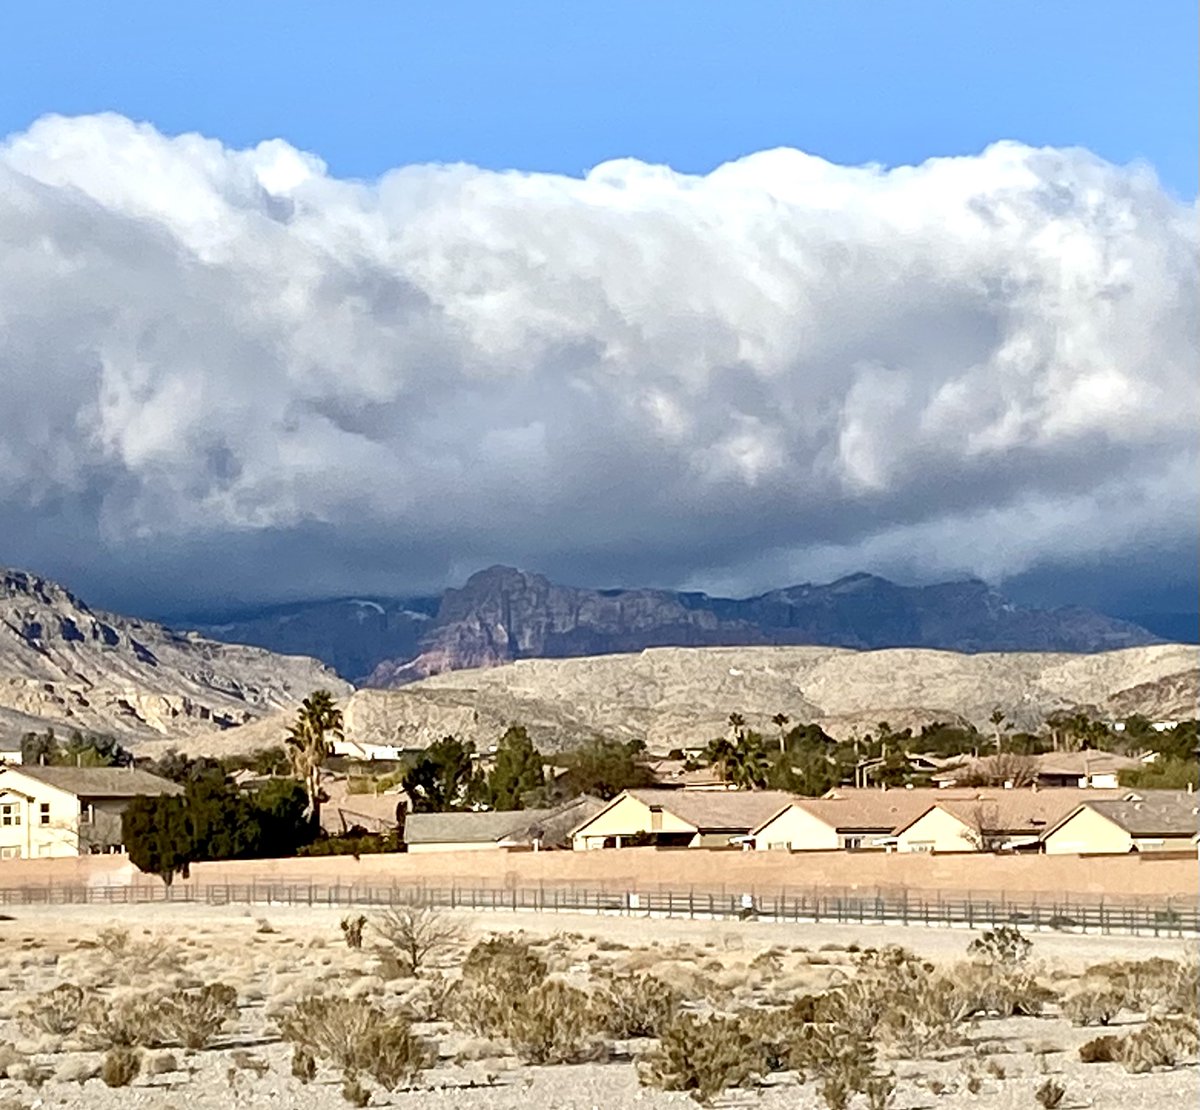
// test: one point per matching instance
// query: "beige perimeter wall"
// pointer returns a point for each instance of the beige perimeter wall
(648, 869)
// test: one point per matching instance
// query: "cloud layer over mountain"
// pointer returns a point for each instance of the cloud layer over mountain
(231, 368)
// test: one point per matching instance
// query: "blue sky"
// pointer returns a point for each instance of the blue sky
(548, 85)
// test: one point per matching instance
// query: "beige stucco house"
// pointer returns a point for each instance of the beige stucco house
(996, 820)
(68, 811)
(1156, 821)
(678, 818)
(843, 818)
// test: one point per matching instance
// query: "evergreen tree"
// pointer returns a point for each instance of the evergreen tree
(158, 836)
(444, 777)
(517, 772)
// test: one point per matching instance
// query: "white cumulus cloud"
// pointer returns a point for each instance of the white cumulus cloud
(231, 365)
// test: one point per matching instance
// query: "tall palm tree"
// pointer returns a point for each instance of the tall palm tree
(718, 752)
(309, 742)
(781, 721)
(997, 719)
(737, 724)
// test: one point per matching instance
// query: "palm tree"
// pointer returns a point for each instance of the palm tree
(309, 743)
(781, 721)
(719, 752)
(997, 718)
(749, 767)
(737, 724)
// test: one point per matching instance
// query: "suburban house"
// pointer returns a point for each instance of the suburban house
(1099, 770)
(1085, 769)
(678, 818)
(843, 818)
(994, 820)
(537, 829)
(678, 774)
(69, 811)
(1160, 821)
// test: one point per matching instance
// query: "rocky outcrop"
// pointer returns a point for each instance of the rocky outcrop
(503, 614)
(675, 697)
(68, 666)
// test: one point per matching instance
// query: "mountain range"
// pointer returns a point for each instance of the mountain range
(503, 614)
(67, 666)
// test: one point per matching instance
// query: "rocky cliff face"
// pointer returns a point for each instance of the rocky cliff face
(65, 665)
(502, 614)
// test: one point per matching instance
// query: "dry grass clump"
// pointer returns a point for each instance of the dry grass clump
(121, 1066)
(58, 1011)
(1161, 1042)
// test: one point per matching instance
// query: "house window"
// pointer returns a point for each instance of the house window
(88, 815)
(10, 813)
(852, 842)
(921, 846)
(44, 813)
(10, 853)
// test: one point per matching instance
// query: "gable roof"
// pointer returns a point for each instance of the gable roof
(1084, 763)
(1167, 813)
(99, 782)
(496, 826)
(1024, 810)
(716, 810)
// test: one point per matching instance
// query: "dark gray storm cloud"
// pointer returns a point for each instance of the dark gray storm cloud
(229, 375)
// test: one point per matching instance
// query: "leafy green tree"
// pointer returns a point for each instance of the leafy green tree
(719, 753)
(444, 777)
(309, 741)
(1165, 773)
(517, 772)
(604, 768)
(158, 836)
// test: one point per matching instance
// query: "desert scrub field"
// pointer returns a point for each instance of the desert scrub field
(415, 1008)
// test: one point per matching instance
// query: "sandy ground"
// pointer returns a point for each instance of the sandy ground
(279, 961)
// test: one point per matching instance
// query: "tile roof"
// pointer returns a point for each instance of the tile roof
(1165, 813)
(717, 810)
(490, 826)
(1084, 763)
(100, 782)
(1023, 810)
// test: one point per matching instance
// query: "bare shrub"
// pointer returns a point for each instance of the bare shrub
(1050, 1094)
(1156, 985)
(121, 1066)
(1093, 1005)
(415, 933)
(703, 1056)
(553, 1024)
(1161, 1042)
(1003, 990)
(637, 1006)
(194, 1018)
(56, 1011)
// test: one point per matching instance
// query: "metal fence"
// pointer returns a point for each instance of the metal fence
(1163, 918)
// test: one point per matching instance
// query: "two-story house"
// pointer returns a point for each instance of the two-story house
(68, 811)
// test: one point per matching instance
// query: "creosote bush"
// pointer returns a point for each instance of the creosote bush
(1093, 1005)
(356, 1037)
(194, 1018)
(637, 1006)
(1161, 1042)
(703, 1056)
(1100, 1050)
(506, 963)
(554, 1024)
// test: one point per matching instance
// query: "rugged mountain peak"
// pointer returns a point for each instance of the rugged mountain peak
(70, 666)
